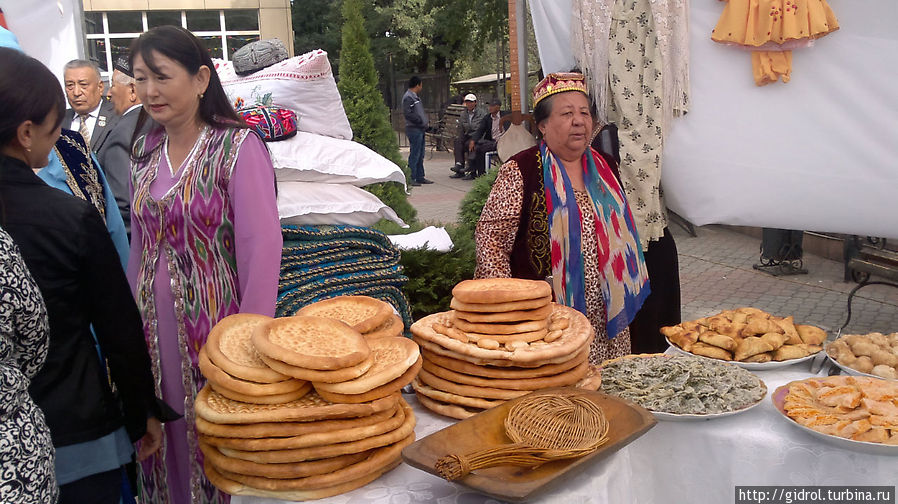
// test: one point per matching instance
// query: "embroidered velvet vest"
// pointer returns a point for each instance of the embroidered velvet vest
(190, 229)
(80, 173)
(530, 256)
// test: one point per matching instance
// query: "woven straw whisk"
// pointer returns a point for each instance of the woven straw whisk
(544, 427)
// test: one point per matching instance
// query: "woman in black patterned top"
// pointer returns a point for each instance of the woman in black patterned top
(26, 451)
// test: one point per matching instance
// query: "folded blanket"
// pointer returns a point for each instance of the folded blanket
(290, 302)
(336, 232)
(321, 262)
(343, 262)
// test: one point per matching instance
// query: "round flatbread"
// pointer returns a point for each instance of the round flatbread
(234, 488)
(286, 429)
(393, 356)
(502, 328)
(304, 441)
(562, 379)
(511, 373)
(333, 450)
(216, 408)
(592, 380)
(362, 313)
(526, 337)
(294, 470)
(500, 290)
(578, 334)
(376, 461)
(392, 327)
(530, 304)
(315, 375)
(504, 317)
(449, 410)
(450, 398)
(386, 389)
(263, 399)
(217, 376)
(229, 347)
(311, 342)
(469, 390)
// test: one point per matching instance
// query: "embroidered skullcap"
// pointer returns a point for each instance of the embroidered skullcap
(558, 83)
(258, 55)
(123, 65)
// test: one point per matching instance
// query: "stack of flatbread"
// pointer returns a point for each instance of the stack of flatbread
(343, 434)
(503, 339)
(367, 315)
(746, 335)
(234, 368)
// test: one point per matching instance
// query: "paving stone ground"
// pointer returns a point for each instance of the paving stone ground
(716, 268)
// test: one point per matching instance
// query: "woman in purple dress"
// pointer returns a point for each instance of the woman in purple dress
(206, 240)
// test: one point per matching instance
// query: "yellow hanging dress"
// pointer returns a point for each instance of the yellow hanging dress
(771, 29)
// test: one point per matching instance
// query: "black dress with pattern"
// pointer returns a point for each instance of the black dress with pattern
(26, 451)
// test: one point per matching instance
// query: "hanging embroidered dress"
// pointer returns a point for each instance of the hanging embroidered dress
(206, 243)
(771, 29)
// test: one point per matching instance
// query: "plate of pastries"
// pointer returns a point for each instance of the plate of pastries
(748, 337)
(852, 412)
(874, 354)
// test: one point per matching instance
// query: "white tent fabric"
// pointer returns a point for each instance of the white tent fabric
(48, 30)
(552, 27)
(819, 153)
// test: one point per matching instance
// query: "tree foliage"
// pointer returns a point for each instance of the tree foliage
(434, 34)
(416, 35)
(365, 108)
(316, 25)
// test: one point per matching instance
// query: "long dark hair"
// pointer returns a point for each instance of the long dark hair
(181, 46)
(28, 92)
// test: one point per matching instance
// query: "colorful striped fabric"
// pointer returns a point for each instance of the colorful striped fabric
(321, 262)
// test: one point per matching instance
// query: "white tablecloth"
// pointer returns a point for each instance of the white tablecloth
(674, 462)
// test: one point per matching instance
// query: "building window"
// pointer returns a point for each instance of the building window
(222, 32)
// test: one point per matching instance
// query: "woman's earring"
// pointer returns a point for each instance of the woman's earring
(201, 96)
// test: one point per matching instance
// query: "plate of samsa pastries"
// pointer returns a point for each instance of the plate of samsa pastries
(748, 337)
(874, 354)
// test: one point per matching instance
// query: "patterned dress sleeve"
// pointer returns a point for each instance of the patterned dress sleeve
(22, 299)
(257, 229)
(498, 224)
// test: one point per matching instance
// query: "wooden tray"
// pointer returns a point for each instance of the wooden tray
(627, 421)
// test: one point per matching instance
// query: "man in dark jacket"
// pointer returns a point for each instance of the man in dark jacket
(468, 122)
(115, 154)
(485, 138)
(415, 125)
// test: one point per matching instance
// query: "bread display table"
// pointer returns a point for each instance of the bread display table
(698, 462)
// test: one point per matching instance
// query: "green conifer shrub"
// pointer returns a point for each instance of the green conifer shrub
(365, 108)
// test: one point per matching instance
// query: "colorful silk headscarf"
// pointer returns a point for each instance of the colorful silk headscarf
(625, 283)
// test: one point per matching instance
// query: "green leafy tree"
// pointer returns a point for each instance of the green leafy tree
(368, 114)
(316, 25)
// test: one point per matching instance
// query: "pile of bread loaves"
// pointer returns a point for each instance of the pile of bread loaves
(504, 339)
(746, 335)
(305, 407)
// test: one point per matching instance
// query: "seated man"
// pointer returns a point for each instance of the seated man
(485, 139)
(468, 123)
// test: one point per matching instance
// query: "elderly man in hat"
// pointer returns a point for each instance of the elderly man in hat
(485, 139)
(464, 146)
(115, 154)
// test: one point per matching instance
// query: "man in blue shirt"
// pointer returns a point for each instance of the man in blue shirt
(415, 125)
